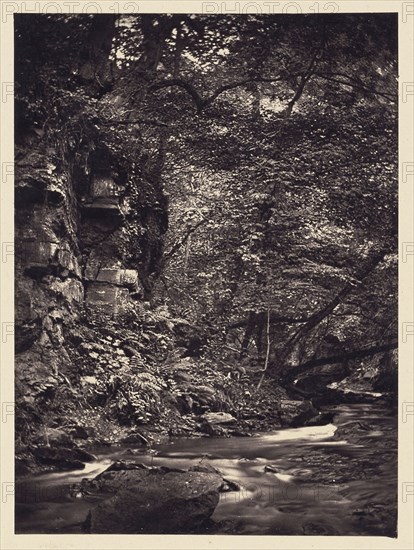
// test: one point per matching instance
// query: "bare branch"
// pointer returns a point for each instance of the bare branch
(304, 79)
(355, 83)
(199, 101)
(233, 85)
(183, 239)
(273, 319)
(189, 88)
(289, 375)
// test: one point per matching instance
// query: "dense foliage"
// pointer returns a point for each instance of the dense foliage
(283, 186)
(273, 141)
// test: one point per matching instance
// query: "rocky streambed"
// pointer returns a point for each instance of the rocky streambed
(335, 479)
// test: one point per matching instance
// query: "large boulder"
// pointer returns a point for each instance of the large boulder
(215, 423)
(54, 437)
(214, 418)
(62, 458)
(203, 397)
(315, 380)
(157, 501)
(295, 413)
(135, 438)
(58, 458)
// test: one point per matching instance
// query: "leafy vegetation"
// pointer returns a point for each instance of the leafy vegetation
(257, 162)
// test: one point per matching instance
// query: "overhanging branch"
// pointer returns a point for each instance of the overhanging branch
(273, 319)
(199, 101)
(189, 88)
(292, 373)
(353, 82)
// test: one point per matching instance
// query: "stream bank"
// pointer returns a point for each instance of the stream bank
(221, 407)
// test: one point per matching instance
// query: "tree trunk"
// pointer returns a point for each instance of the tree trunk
(266, 364)
(97, 68)
(259, 335)
(248, 334)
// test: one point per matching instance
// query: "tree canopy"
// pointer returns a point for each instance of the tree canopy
(275, 140)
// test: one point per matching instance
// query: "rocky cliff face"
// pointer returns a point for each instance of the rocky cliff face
(89, 220)
(80, 261)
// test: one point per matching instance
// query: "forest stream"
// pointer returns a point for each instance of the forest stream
(293, 481)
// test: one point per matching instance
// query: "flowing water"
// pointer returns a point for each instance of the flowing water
(313, 484)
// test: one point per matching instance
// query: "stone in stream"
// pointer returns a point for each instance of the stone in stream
(135, 438)
(354, 429)
(218, 418)
(238, 433)
(82, 432)
(126, 465)
(230, 485)
(213, 422)
(271, 468)
(158, 500)
(134, 452)
(295, 413)
(60, 458)
(63, 458)
(322, 419)
(83, 455)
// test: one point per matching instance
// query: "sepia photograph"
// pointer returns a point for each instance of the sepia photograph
(206, 274)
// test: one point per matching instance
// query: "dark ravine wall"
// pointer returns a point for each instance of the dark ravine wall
(89, 216)
(72, 248)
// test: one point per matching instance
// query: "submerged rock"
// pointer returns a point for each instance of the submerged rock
(153, 501)
(271, 468)
(230, 485)
(322, 419)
